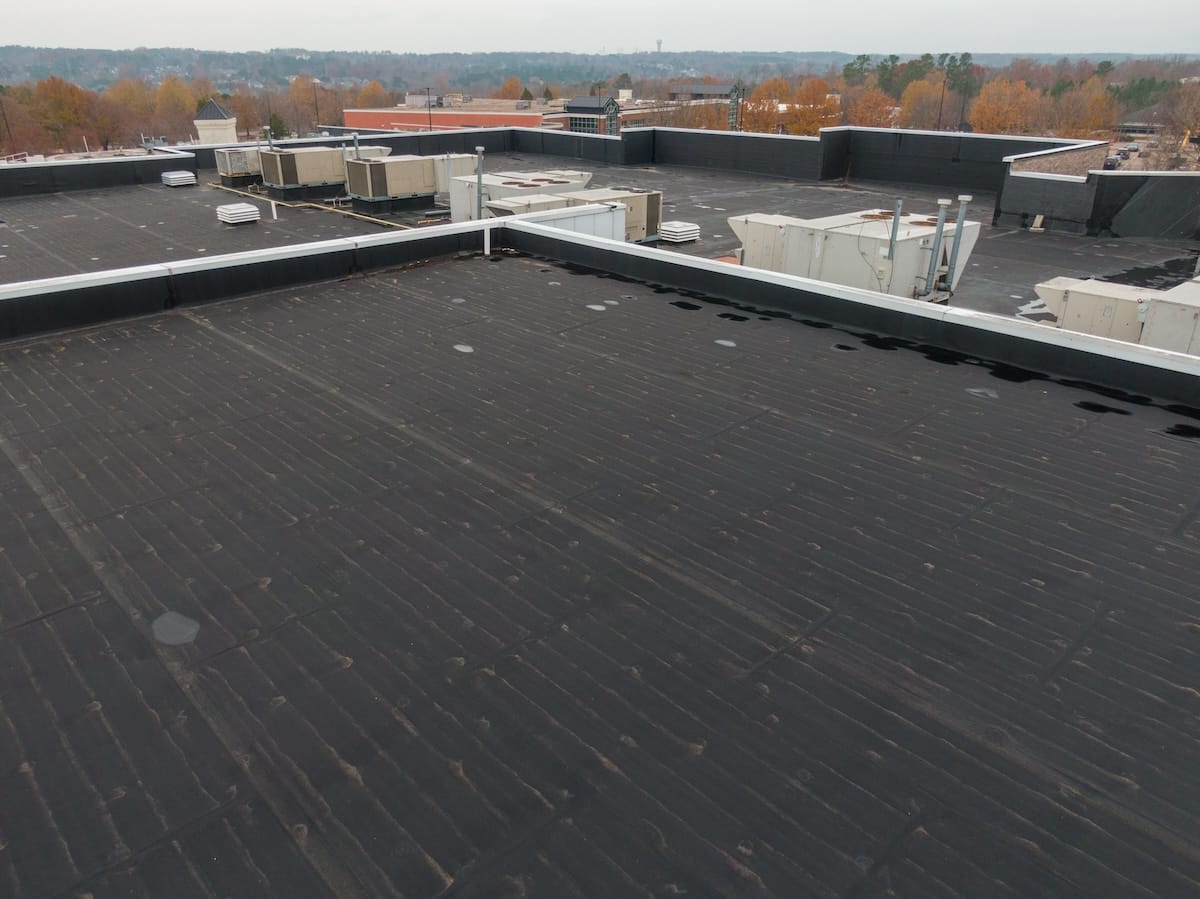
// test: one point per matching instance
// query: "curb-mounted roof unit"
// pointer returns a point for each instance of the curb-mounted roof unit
(500, 185)
(856, 250)
(391, 177)
(643, 208)
(1166, 319)
(311, 166)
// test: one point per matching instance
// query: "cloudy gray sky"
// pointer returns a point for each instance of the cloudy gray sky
(866, 26)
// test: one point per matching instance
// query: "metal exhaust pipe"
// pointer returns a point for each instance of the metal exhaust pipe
(936, 249)
(479, 183)
(895, 230)
(963, 200)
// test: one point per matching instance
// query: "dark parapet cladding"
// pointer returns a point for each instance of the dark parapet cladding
(1163, 276)
(212, 111)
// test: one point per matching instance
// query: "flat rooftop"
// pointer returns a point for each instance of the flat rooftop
(67, 233)
(93, 230)
(495, 577)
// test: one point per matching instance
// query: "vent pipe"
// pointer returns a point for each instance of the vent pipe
(270, 138)
(963, 200)
(479, 182)
(936, 249)
(357, 151)
(895, 230)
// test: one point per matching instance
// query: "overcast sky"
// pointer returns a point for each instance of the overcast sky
(613, 26)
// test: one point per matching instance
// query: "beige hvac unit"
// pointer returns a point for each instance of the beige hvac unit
(366, 151)
(522, 204)
(1096, 307)
(643, 208)
(1166, 319)
(391, 177)
(451, 165)
(237, 162)
(1173, 323)
(303, 166)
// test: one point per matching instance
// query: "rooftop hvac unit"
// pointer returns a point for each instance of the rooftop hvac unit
(233, 162)
(451, 165)
(391, 177)
(366, 151)
(522, 204)
(643, 208)
(501, 185)
(311, 166)
(853, 250)
(1166, 319)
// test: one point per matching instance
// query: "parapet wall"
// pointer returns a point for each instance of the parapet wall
(1029, 176)
(1104, 204)
(27, 179)
(1072, 160)
(74, 301)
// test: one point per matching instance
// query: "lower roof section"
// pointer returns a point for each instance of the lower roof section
(499, 577)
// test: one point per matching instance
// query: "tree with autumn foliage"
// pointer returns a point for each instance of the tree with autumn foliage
(61, 108)
(372, 96)
(1005, 107)
(510, 89)
(813, 107)
(135, 96)
(872, 108)
(1085, 110)
(22, 132)
(701, 116)
(921, 102)
(761, 110)
(247, 109)
(174, 108)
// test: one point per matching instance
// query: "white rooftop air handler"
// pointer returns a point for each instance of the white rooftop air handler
(237, 165)
(451, 165)
(889, 251)
(643, 208)
(1166, 319)
(499, 186)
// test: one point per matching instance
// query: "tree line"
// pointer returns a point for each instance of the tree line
(53, 115)
(1067, 98)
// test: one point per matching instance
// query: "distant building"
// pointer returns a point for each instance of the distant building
(215, 124)
(699, 90)
(587, 115)
(449, 112)
(593, 115)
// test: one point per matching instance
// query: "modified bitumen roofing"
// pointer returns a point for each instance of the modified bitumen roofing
(492, 578)
(86, 231)
(64, 233)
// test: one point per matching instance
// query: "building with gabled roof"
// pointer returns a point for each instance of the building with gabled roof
(215, 124)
